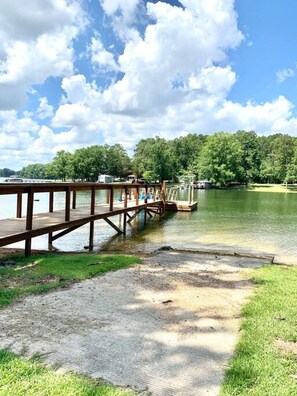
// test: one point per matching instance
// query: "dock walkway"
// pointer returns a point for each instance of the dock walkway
(149, 198)
(72, 217)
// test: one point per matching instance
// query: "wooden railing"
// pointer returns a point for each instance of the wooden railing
(123, 191)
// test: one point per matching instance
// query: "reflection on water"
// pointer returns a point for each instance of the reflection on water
(247, 221)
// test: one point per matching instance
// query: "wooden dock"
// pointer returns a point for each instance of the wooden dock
(134, 198)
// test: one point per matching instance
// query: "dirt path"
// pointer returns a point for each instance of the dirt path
(168, 326)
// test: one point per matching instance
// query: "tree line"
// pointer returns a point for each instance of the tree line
(223, 158)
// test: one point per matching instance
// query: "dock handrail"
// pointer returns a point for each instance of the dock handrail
(70, 190)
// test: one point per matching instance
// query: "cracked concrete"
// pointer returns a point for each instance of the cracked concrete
(167, 326)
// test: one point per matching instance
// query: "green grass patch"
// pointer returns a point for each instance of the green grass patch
(40, 274)
(19, 377)
(260, 366)
(45, 272)
(275, 188)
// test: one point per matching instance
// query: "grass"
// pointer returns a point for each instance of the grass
(19, 377)
(40, 274)
(45, 272)
(279, 188)
(259, 367)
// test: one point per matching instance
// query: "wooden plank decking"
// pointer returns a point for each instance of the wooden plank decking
(14, 229)
(150, 198)
(71, 217)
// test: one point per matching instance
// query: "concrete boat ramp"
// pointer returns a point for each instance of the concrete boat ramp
(165, 328)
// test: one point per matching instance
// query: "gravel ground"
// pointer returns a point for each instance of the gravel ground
(166, 327)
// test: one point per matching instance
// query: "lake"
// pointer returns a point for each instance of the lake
(239, 220)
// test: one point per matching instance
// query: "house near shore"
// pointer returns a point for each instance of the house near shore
(105, 179)
(203, 185)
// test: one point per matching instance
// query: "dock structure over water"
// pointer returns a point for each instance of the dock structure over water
(120, 199)
(125, 198)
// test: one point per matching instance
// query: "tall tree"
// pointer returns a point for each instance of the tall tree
(250, 160)
(61, 165)
(152, 159)
(184, 152)
(274, 168)
(220, 160)
(34, 171)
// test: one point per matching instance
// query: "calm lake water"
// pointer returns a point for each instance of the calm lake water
(238, 220)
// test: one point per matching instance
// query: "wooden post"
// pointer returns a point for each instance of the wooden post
(137, 195)
(163, 195)
(154, 193)
(91, 236)
(111, 194)
(19, 205)
(107, 196)
(189, 194)
(29, 221)
(51, 201)
(125, 221)
(50, 241)
(93, 199)
(146, 194)
(73, 199)
(67, 204)
(125, 198)
(145, 216)
(29, 218)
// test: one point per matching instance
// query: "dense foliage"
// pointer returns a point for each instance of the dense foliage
(223, 158)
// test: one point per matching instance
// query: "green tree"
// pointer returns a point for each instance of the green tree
(61, 166)
(152, 157)
(221, 160)
(117, 161)
(275, 166)
(6, 172)
(250, 160)
(184, 152)
(34, 171)
(291, 176)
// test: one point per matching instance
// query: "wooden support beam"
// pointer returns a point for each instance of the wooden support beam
(50, 241)
(93, 199)
(113, 225)
(73, 199)
(65, 232)
(29, 218)
(51, 201)
(131, 218)
(91, 236)
(67, 204)
(137, 196)
(111, 197)
(145, 216)
(19, 205)
(125, 224)
(149, 213)
(28, 247)
(125, 197)
(163, 195)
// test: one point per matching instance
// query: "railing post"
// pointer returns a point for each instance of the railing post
(19, 205)
(163, 195)
(73, 199)
(51, 201)
(93, 198)
(146, 193)
(125, 198)
(137, 195)
(111, 194)
(29, 221)
(67, 204)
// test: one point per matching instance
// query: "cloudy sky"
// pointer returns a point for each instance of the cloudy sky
(75, 73)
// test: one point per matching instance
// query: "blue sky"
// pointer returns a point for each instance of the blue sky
(82, 72)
